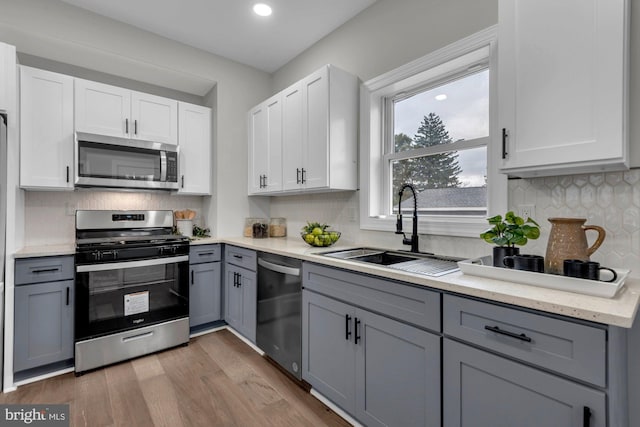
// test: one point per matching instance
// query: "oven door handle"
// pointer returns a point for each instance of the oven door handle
(130, 264)
(278, 268)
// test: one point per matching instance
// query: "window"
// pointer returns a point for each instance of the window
(429, 123)
(439, 144)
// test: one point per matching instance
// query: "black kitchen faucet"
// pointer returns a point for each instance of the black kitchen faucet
(413, 241)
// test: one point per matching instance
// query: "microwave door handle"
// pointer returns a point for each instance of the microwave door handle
(163, 166)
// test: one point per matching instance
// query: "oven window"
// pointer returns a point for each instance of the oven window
(97, 160)
(133, 291)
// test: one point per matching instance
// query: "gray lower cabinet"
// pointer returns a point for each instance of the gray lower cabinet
(328, 350)
(241, 291)
(566, 347)
(205, 285)
(481, 389)
(381, 371)
(205, 294)
(43, 312)
(504, 366)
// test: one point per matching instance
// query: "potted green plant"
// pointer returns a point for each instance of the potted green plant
(508, 233)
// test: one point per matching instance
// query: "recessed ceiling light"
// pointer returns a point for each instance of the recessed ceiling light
(262, 9)
(441, 97)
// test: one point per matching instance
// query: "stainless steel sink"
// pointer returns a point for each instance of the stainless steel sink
(426, 264)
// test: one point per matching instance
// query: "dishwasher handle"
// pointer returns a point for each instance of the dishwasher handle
(279, 268)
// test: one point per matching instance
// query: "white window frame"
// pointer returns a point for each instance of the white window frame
(475, 51)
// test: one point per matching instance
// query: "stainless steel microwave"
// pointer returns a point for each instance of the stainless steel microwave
(104, 161)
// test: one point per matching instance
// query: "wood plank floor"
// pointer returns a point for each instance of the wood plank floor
(217, 380)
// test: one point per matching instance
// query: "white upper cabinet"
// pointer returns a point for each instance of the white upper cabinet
(114, 111)
(563, 86)
(46, 129)
(102, 109)
(194, 140)
(154, 118)
(320, 119)
(318, 135)
(292, 137)
(316, 121)
(265, 146)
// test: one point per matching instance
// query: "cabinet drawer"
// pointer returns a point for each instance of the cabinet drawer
(407, 303)
(563, 346)
(43, 269)
(204, 253)
(244, 258)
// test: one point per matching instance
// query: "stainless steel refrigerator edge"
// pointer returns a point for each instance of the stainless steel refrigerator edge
(279, 326)
(3, 224)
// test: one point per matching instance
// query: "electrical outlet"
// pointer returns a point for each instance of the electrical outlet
(69, 209)
(527, 211)
(352, 214)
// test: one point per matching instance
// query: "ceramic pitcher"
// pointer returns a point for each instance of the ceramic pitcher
(568, 240)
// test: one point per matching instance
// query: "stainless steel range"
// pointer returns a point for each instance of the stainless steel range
(132, 290)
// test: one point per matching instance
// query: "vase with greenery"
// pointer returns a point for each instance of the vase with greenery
(508, 233)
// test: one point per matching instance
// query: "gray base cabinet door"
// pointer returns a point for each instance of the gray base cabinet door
(381, 371)
(328, 354)
(43, 324)
(240, 300)
(205, 293)
(397, 373)
(484, 390)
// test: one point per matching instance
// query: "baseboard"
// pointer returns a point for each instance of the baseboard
(245, 340)
(40, 378)
(207, 331)
(348, 418)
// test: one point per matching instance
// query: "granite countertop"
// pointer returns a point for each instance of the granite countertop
(617, 311)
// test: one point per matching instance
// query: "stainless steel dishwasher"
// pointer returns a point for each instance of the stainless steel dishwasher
(279, 315)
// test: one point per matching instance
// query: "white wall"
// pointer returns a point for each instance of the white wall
(391, 33)
(59, 32)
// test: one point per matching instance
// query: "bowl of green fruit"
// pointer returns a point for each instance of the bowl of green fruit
(316, 234)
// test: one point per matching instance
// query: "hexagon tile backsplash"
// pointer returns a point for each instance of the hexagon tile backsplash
(610, 200)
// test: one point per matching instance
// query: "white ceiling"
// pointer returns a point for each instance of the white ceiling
(229, 28)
